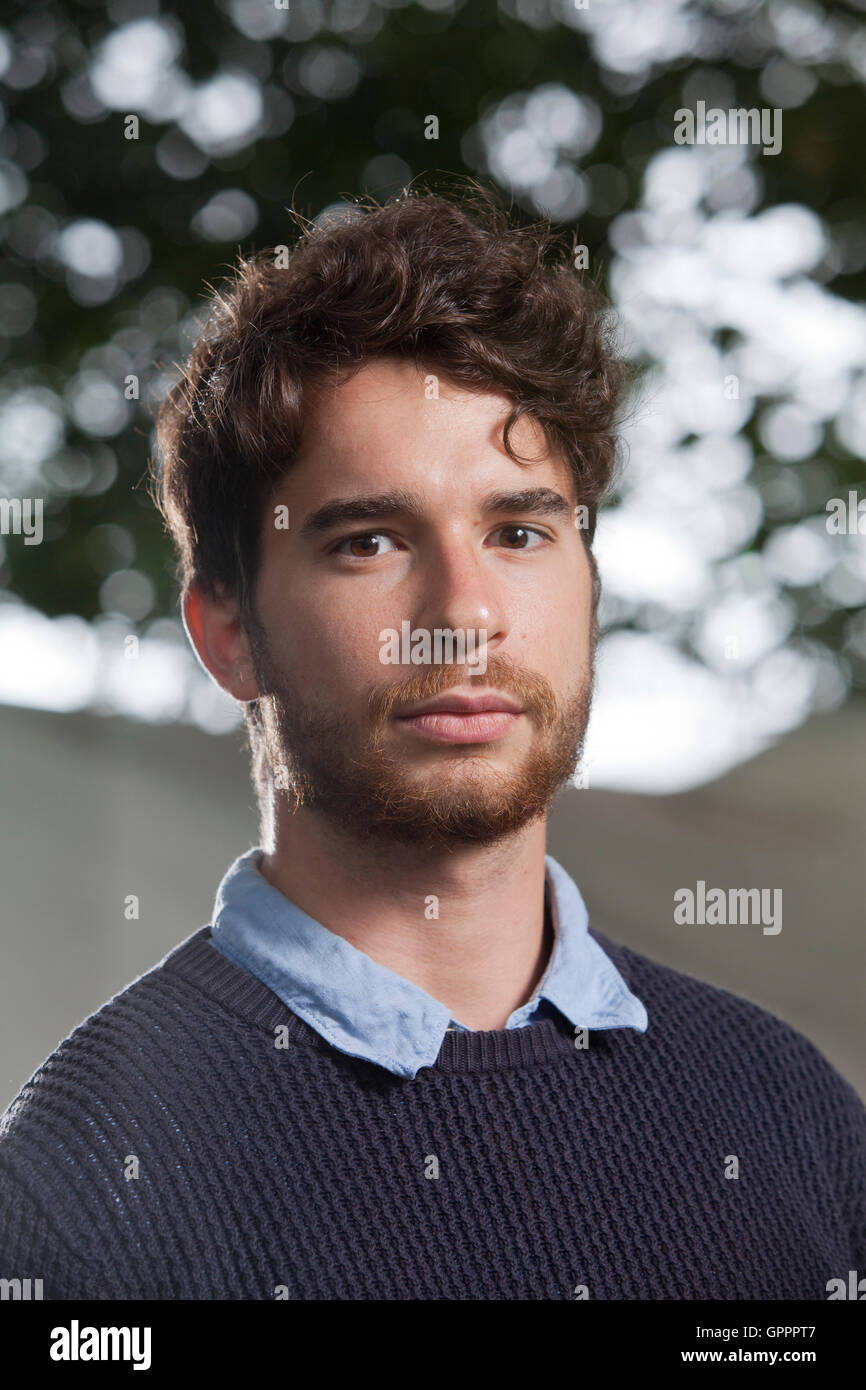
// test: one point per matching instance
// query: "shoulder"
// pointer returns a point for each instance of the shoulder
(165, 1075)
(159, 1010)
(159, 1026)
(133, 1070)
(714, 1030)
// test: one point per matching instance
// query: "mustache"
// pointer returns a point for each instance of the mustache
(532, 691)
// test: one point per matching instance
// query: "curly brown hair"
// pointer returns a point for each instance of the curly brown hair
(452, 285)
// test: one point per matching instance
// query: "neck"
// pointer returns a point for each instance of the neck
(485, 952)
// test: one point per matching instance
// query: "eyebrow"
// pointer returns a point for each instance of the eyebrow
(536, 501)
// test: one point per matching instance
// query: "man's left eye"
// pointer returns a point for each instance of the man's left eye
(521, 534)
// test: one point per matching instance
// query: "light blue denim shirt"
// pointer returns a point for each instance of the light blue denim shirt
(369, 1011)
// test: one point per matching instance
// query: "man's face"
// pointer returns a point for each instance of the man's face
(459, 539)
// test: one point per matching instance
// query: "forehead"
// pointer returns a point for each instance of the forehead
(394, 412)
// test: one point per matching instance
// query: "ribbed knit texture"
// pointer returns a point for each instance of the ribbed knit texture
(262, 1167)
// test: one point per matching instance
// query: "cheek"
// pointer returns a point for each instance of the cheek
(338, 650)
(560, 610)
(350, 627)
(558, 632)
(325, 640)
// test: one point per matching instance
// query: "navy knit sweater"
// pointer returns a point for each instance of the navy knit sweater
(195, 1139)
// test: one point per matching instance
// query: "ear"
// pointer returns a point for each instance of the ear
(214, 629)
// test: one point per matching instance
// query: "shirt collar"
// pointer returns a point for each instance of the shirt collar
(369, 1011)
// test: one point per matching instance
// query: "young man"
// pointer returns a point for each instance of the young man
(398, 1063)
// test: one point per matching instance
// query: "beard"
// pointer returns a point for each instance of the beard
(317, 759)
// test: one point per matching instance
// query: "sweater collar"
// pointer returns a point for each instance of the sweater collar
(366, 1010)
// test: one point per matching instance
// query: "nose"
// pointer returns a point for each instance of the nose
(462, 593)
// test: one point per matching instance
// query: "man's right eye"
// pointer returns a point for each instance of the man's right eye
(362, 539)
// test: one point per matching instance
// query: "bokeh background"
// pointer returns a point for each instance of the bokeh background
(142, 148)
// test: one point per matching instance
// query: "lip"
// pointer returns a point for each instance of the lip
(445, 726)
(485, 702)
